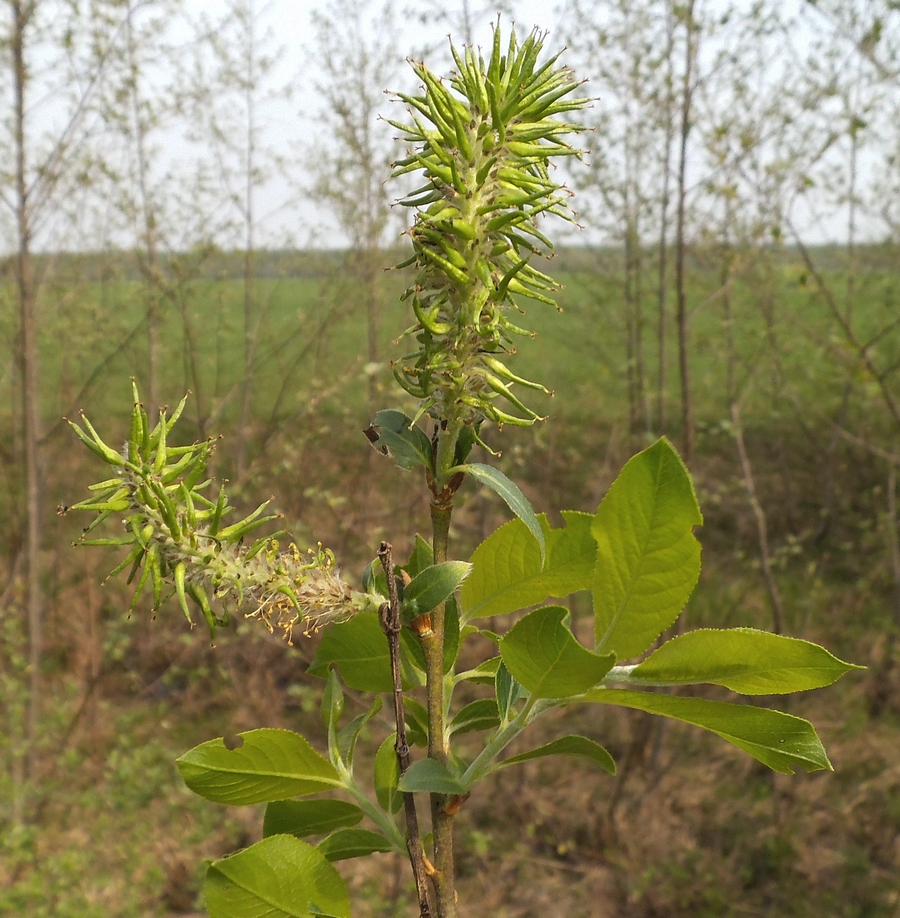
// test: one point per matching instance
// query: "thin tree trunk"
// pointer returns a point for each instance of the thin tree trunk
(148, 219)
(687, 411)
(737, 431)
(29, 369)
(630, 334)
(371, 282)
(662, 294)
(759, 516)
(893, 537)
(251, 324)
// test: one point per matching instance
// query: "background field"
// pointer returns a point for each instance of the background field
(689, 827)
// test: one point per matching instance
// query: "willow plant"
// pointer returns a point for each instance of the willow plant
(483, 142)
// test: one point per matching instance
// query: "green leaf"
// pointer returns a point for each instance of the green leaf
(269, 765)
(279, 877)
(387, 775)
(477, 715)
(412, 655)
(483, 674)
(508, 692)
(512, 496)
(543, 654)
(743, 660)
(359, 649)
(567, 745)
(508, 574)
(465, 441)
(430, 777)
(348, 735)
(309, 817)
(331, 710)
(410, 446)
(422, 556)
(416, 722)
(347, 843)
(451, 633)
(778, 740)
(432, 586)
(648, 559)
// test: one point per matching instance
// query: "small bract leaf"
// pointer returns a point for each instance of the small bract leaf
(477, 715)
(387, 776)
(410, 446)
(744, 660)
(422, 556)
(543, 655)
(271, 765)
(433, 586)
(279, 877)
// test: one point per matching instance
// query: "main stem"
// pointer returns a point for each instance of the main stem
(433, 646)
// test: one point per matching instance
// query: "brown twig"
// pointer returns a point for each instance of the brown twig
(390, 623)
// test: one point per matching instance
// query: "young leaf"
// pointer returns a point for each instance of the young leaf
(331, 710)
(508, 573)
(422, 556)
(359, 649)
(648, 559)
(348, 735)
(778, 740)
(430, 777)
(511, 494)
(477, 715)
(309, 817)
(743, 660)
(452, 636)
(567, 745)
(508, 692)
(387, 775)
(416, 722)
(410, 446)
(543, 655)
(483, 674)
(347, 843)
(433, 586)
(270, 765)
(279, 877)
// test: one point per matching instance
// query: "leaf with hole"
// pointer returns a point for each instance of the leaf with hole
(508, 573)
(409, 445)
(271, 765)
